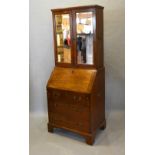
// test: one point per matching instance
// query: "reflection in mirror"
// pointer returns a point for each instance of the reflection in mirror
(84, 22)
(84, 27)
(63, 38)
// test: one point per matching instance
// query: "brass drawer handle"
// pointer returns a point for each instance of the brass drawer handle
(87, 98)
(77, 98)
(74, 97)
(56, 94)
(80, 98)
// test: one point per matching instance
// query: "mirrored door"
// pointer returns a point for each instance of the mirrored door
(84, 38)
(63, 38)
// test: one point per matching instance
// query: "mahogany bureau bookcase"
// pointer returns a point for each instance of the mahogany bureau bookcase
(76, 87)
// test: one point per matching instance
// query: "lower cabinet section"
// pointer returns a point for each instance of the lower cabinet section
(75, 112)
(70, 110)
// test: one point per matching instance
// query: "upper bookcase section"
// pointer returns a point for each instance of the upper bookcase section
(78, 36)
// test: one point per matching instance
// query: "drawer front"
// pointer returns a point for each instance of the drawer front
(70, 98)
(64, 121)
(70, 110)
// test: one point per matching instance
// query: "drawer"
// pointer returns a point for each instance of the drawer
(70, 98)
(70, 112)
(64, 121)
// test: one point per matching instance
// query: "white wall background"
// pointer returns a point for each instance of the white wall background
(41, 50)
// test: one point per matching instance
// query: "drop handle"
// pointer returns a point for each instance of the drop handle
(79, 99)
(56, 95)
(87, 98)
(74, 98)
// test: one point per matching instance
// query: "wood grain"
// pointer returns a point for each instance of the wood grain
(72, 79)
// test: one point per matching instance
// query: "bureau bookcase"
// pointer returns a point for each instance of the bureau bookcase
(76, 87)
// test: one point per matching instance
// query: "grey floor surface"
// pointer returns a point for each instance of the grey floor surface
(110, 141)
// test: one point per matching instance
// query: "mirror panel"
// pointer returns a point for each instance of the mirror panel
(63, 38)
(84, 31)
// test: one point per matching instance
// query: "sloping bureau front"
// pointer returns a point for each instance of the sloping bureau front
(71, 79)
